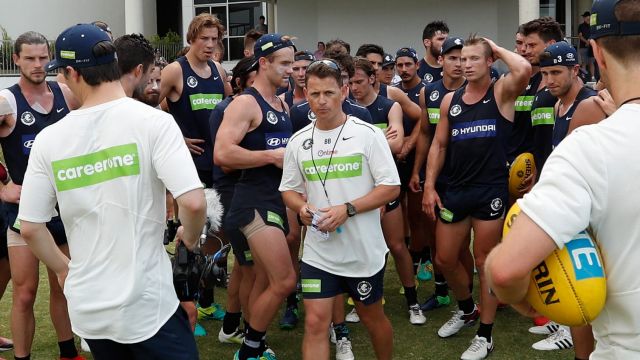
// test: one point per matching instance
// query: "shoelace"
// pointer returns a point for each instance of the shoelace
(477, 343)
(455, 318)
(415, 310)
(343, 346)
(558, 335)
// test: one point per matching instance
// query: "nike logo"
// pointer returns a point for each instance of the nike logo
(59, 110)
(486, 101)
(364, 298)
(346, 138)
(393, 203)
(418, 94)
(379, 109)
(494, 214)
(216, 77)
(569, 118)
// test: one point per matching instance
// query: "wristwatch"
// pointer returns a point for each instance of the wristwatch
(351, 210)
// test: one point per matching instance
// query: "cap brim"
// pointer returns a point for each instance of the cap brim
(52, 65)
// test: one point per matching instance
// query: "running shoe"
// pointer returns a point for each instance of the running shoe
(213, 312)
(559, 340)
(434, 302)
(332, 334)
(199, 330)
(5, 344)
(425, 271)
(479, 349)
(547, 329)
(343, 350)
(352, 317)
(289, 318)
(458, 321)
(540, 320)
(415, 315)
(234, 338)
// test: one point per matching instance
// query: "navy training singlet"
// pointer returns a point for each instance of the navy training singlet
(414, 94)
(562, 123)
(428, 73)
(542, 120)
(257, 188)
(520, 138)
(379, 110)
(301, 114)
(476, 148)
(193, 108)
(29, 122)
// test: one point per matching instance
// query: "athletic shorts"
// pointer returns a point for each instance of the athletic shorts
(479, 202)
(174, 341)
(3, 234)
(319, 284)
(405, 169)
(206, 177)
(392, 205)
(241, 224)
(55, 226)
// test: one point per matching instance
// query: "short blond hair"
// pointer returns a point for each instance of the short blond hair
(204, 20)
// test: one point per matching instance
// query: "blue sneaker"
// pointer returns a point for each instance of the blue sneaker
(434, 302)
(289, 318)
(199, 330)
(213, 312)
(425, 271)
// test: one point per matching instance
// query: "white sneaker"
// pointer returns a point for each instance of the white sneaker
(458, 321)
(479, 349)
(415, 315)
(343, 350)
(84, 345)
(234, 338)
(546, 329)
(352, 317)
(332, 334)
(559, 340)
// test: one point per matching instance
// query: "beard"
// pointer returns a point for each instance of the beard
(31, 79)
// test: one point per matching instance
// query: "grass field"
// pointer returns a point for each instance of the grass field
(512, 341)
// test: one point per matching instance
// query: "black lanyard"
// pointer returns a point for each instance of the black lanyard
(326, 175)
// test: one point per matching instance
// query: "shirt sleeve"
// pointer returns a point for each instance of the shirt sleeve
(292, 178)
(171, 158)
(381, 163)
(572, 187)
(38, 197)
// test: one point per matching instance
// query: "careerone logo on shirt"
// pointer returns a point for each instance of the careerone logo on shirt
(204, 101)
(90, 169)
(340, 168)
(473, 129)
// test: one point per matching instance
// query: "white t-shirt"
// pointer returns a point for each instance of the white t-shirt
(107, 167)
(590, 179)
(361, 161)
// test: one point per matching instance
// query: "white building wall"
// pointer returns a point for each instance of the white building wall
(393, 24)
(51, 17)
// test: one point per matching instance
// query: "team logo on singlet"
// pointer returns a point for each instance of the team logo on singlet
(272, 118)
(27, 118)
(306, 144)
(312, 116)
(428, 77)
(364, 289)
(455, 110)
(496, 204)
(435, 94)
(192, 82)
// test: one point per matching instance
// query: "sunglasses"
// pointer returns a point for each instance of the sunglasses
(325, 62)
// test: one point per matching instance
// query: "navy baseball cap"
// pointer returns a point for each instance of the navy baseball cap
(74, 47)
(604, 22)
(388, 60)
(407, 51)
(451, 43)
(560, 53)
(269, 43)
(304, 55)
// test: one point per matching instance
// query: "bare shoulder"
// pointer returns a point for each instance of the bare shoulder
(588, 112)
(69, 97)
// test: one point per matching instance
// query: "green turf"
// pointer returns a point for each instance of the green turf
(512, 341)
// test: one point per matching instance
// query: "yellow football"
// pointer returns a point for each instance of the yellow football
(521, 167)
(569, 286)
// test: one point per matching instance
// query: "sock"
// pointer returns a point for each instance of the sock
(466, 305)
(342, 331)
(485, 330)
(292, 300)
(231, 322)
(68, 348)
(206, 297)
(28, 357)
(425, 254)
(246, 326)
(415, 258)
(407, 240)
(411, 295)
(263, 344)
(251, 344)
(441, 285)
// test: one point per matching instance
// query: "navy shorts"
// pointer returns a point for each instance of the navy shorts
(55, 225)
(392, 205)
(405, 169)
(4, 252)
(174, 341)
(319, 284)
(206, 177)
(479, 202)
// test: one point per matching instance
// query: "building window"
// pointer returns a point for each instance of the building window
(237, 16)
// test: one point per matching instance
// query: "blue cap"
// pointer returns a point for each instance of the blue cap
(388, 60)
(407, 51)
(304, 55)
(451, 43)
(560, 53)
(605, 23)
(269, 43)
(74, 47)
